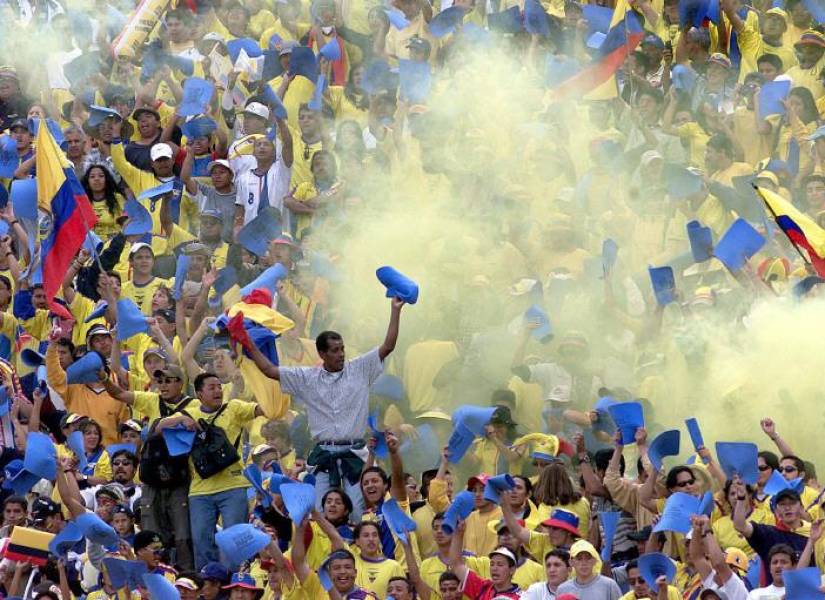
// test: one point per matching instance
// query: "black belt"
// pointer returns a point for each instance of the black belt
(339, 442)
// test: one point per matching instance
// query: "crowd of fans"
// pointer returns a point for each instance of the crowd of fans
(187, 389)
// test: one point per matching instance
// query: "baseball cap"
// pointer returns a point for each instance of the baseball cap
(480, 478)
(161, 150)
(778, 12)
(97, 329)
(211, 212)
(113, 490)
(122, 509)
(156, 352)
(811, 37)
(195, 248)
(257, 109)
(737, 559)
(567, 597)
(563, 519)
(146, 538)
(171, 370)
(216, 572)
(130, 425)
(583, 546)
(70, 419)
(262, 449)
(642, 535)
(186, 583)
(8, 72)
(145, 109)
(502, 551)
(785, 494)
(244, 581)
(138, 246)
(19, 124)
(717, 58)
(419, 43)
(44, 507)
(769, 175)
(222, 162)
(654, 40)
(213, 36)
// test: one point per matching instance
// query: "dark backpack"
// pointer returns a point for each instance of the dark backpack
(156, 468)
(212, 451)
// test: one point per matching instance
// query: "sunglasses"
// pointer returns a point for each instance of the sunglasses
(121, 463)
(683, 484)
(788, 469)
(764, 467)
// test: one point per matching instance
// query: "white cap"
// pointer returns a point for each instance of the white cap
(213, 36)
(161, 150)
(505, 553)
(138, 246)
(222, 162)
(257, 109)
(288, 47)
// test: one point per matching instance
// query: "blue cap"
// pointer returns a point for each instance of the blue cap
(216, 572)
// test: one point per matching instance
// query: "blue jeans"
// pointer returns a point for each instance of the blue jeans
(352, 490)
(231, 505)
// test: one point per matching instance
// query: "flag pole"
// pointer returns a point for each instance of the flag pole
(775, 217)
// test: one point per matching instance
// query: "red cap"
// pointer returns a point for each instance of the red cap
(480, 478)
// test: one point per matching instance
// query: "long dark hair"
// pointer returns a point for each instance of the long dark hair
(809, 110)
(351, 92)
(109, 190)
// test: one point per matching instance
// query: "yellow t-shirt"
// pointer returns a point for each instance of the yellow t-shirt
(809, 78)
(142, 294)
(106, 225)
(147, 406)
(785, 53)
(344, 108)
(479, 538)
(375, 574)
(695, 137)
(233, 419)
(672, 594)
(302, 154)
(431, 569)
(727, 536)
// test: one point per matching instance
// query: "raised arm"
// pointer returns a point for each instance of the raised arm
(422, 590)
(336, 541)
(299, 553)
(392, 331)
(701, 530)
(516, 530)
(397, 487)
(456, 558)
(193, 369)
(769, 427)
(114, 390)
(262, 362)
(286, 141)
(740, 519)
(809, 552)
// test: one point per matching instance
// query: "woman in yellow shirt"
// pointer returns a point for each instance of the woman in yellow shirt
(723, 528)
(107, 203)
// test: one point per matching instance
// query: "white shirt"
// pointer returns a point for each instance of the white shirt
(538, 591)
(336, 403)
(771, 592)
(250, 186)
(734, 587)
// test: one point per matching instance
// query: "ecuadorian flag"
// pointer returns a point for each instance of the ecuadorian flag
(801, 230)
(59, 194)
(625, 33)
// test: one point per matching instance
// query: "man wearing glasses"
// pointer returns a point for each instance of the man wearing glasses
(149, 548)
(163, 508)
(124, 466)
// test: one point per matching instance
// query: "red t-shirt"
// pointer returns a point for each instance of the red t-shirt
(476, 588)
